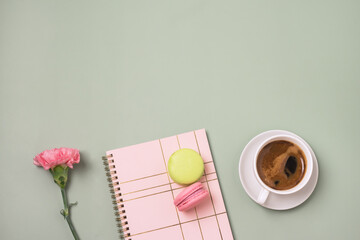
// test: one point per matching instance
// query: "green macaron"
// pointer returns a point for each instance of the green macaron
(185, 166)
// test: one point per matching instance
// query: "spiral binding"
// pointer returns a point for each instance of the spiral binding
(120, 213)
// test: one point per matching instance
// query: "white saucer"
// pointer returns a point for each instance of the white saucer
(253, 188)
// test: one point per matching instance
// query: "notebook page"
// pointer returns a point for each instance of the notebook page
(147, 192)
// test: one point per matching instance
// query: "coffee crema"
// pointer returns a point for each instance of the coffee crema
(281, 165)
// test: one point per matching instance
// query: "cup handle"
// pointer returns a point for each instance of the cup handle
(262, 196)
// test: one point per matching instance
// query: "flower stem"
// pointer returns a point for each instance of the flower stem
(66, 214)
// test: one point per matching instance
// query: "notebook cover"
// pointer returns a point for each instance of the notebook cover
(143, 192)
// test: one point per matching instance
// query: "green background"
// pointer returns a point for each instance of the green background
(98, 75)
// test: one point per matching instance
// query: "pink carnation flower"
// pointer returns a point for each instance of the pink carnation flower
(57, 156)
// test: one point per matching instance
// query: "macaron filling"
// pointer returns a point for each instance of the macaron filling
(191, 195)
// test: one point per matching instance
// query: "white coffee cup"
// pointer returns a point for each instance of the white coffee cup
(264, 193)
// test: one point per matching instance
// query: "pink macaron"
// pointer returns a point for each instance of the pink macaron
(191, 196)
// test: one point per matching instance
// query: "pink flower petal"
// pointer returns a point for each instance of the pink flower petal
(57, 156)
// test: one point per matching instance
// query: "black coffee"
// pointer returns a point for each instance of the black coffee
(281, 165)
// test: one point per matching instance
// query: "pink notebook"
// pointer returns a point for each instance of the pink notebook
(143, 192)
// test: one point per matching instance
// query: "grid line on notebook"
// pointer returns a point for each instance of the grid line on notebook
(177, 138)
(166, 185)
(127, 200)
(172, 192)
(142, 178)
(212, 202)
(157, 175)
(197, 217)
